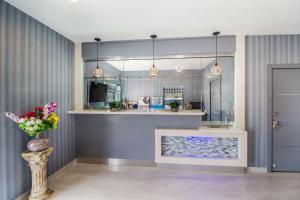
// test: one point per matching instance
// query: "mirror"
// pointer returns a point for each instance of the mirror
(184, 79)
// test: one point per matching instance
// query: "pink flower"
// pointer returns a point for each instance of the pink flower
(48, 109)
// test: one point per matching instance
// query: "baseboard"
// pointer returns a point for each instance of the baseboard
(116, 161)
(203, 168)
(252, 170)
(150, 163)
(25, 195)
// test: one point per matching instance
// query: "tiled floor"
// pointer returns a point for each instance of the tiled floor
(99, 182)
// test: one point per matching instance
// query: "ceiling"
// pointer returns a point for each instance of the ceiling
(162, 64)
(137, 19)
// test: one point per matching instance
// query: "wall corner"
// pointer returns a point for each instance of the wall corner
(240, 82)
(79, 78)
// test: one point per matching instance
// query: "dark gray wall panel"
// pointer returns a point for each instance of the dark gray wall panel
(261, 51)
(36, 66)
(124, 136)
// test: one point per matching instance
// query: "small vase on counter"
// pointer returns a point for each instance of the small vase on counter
(174, 109)
(113, 109)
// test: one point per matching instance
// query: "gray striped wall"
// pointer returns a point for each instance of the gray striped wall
(261, 51)
(36, 66)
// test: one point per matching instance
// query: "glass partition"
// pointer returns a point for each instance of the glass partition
(186, 80)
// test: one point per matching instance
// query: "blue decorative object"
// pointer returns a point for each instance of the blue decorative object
(156, 103)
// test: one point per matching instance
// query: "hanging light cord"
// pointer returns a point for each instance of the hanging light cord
(216, 48)
(97, 53)
(153, 52)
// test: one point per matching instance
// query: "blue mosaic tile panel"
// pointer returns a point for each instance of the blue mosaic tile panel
(200, 147)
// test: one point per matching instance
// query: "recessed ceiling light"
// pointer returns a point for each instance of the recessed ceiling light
(73, 0)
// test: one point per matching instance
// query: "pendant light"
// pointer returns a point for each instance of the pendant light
(216, 69)
(97, 72)
(154, 71)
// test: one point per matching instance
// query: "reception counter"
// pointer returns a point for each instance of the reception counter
(156, 137)
(126, 134)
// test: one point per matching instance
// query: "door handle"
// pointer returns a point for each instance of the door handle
(275, 124)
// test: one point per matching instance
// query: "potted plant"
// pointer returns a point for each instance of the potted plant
(115, 106)
(35, 123)
(174, 106)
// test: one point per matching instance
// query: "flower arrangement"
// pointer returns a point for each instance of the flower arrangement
(38, 121)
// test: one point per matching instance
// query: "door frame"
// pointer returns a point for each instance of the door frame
(270, 69)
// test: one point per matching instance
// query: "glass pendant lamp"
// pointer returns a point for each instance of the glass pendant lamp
(97, 72)
(153, 71)
(216, 69)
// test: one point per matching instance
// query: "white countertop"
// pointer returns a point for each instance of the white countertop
(136, 112)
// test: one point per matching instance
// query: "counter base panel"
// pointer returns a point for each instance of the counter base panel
(124, 136)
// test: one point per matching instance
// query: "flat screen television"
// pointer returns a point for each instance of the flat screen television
(98, 92)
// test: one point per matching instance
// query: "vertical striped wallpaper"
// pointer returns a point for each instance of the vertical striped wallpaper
(261, 51)
(36, 66)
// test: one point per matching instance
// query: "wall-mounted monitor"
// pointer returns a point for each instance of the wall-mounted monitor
(98, 92)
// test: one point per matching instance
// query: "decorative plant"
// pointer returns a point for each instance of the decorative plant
(114, 105)
(34, 123)
(174, 105)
